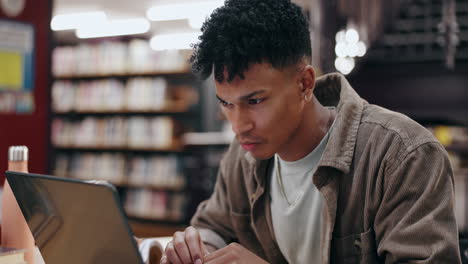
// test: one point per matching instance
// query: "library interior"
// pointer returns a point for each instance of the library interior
(103, 92)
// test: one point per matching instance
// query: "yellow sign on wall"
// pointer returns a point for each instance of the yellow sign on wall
(11, 70)
(16, 67)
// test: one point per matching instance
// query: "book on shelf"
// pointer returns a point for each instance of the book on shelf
(11, 255)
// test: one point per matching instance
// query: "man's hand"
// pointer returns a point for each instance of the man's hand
(233, 253)
(185, 247)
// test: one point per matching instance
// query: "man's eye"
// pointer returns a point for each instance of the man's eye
(255, 101)
(224, 103)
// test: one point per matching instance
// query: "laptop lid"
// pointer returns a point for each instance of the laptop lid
(74, 221)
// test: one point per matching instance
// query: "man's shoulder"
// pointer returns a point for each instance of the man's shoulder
(397, 125)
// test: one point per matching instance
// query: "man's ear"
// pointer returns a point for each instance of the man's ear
(307, 82)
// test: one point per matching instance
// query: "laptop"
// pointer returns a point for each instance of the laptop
(75, 221)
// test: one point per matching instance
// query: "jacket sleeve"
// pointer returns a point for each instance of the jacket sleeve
(212, 217)
(416, 222)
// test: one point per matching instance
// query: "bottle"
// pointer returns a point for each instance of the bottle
(15, 230)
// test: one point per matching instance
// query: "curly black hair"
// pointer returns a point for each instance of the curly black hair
(243, 32)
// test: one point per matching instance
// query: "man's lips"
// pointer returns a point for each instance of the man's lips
(248, 142)
(249, 146)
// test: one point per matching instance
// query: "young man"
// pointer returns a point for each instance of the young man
(316, 174)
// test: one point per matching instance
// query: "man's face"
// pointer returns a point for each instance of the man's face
(265, 108)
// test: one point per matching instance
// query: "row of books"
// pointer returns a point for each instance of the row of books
(137, 94)
(155, 205)
(135, 171)
(135, 132)
(112, 57)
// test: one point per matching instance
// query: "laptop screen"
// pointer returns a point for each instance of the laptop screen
(73, 221)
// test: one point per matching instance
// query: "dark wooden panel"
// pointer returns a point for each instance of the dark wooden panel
(423, 91)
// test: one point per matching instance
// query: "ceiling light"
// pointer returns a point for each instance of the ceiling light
(341, 49)
(352, 36)
(352, 49)
(362, 49)
(75, 20)
(182, 10)
(340, 36)
(174, 41)
(114, 28)
(344, 65)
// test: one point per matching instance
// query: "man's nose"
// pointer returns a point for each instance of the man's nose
(240, 122)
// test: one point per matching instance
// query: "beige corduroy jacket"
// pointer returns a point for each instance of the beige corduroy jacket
(387, 184)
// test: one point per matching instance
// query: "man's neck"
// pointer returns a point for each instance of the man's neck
(316, 121)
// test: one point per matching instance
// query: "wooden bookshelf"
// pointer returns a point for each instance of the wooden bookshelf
(117, 149)
(166, 111)
(171, 94)
(175, 73)
(143, 228)
(165, 188)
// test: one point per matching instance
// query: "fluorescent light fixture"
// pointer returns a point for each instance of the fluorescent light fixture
(75, 20)
(186, 10)
(114, 28)
(196, 22)
(174, 41)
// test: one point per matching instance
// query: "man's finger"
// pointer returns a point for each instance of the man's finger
(181, 247)
(171, 254)
(193, 240)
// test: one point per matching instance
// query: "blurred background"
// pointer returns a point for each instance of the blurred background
(102, 89)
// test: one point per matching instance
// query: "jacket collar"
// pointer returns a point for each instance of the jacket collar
(334, 90)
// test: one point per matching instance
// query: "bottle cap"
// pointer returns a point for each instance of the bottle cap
(18, 153)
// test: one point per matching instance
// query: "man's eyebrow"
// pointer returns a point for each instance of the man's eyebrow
(244, 97)
(252, 94)
(220, 99)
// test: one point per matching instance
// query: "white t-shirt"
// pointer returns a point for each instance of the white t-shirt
(296, 221)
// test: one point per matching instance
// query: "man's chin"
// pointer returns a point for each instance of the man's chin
(260, 155)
